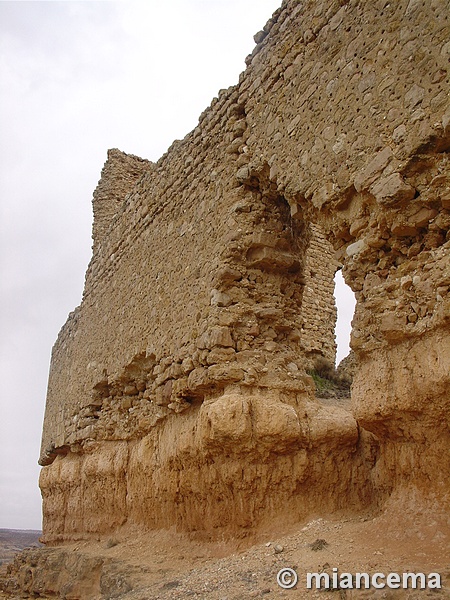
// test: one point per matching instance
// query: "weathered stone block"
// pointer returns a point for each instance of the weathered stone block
(391, 190)
(368, 175)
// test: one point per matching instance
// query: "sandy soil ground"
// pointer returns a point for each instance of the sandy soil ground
(164, 565)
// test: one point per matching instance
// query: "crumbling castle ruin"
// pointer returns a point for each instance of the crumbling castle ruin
(179, 391)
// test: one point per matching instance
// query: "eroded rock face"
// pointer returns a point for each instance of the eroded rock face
(179, 390)
(50, 573)
(254, 453)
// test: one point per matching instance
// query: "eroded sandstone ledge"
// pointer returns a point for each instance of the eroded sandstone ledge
(179, 391)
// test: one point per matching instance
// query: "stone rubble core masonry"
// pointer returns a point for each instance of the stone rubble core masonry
(179, 392)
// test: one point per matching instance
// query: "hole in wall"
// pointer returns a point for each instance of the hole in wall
(345, 304)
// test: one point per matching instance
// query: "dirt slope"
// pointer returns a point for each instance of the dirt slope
(165, 565)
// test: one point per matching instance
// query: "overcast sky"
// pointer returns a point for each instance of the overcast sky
(77, 78)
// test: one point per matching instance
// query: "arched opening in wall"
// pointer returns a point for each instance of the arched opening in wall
(291, 267)
(345, 304)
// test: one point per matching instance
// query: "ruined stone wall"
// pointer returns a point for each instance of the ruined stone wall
(318, 307)
(178, 390)
(355, 102)
(119, 175)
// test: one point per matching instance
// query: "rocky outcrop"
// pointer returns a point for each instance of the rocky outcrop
(50, 573)
(190, 470)
(180, 391)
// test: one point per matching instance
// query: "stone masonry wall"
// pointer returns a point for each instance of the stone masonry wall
(120, 174)
(196, 285)
(178, 391)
